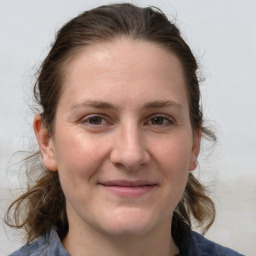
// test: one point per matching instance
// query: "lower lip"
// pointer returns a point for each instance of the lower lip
(130, 191)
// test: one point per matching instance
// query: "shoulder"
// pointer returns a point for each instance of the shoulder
(35, 248)
(206, 247)
(46, 245)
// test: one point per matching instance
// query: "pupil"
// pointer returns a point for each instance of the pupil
(95, 120)
(158, 120)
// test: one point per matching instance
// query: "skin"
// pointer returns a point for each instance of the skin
(123, 116)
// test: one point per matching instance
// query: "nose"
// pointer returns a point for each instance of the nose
(129, 149)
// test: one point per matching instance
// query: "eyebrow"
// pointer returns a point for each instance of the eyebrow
(94, 104)
(162, 104)
(107, 105)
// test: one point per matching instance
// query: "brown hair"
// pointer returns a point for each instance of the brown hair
(43, 205)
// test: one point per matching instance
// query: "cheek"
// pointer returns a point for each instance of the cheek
(78, 157)
(174, 160)
(174, 154)
(78, 165)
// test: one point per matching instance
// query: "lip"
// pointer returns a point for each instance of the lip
(127, 188)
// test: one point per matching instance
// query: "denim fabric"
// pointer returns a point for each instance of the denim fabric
(193, 244)
(47, 245)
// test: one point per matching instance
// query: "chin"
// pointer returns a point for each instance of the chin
(129, 222)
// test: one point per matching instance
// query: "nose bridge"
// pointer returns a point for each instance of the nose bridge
(129, 137)
(129, 148)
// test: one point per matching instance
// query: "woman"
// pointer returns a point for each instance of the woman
(119, 135)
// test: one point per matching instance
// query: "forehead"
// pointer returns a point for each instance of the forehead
(121, 51)
(124, 64)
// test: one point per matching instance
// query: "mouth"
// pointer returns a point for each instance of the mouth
(126, 188)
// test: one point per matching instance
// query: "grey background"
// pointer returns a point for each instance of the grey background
(222, 35)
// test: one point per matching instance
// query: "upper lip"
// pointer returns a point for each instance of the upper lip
(127, 183)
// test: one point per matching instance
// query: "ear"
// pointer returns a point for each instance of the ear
(195, 149)
(45, 143)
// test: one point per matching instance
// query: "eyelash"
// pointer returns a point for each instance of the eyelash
(164, 121)
(91, 117)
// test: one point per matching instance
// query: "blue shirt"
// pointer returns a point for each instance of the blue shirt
(193, 244)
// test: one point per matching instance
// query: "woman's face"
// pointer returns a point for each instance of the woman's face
(123, 143)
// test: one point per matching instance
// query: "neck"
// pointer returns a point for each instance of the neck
(88, 241)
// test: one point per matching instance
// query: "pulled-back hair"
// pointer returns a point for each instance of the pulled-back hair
(43, 205)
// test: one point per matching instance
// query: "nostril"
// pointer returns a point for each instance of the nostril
(130, 160)
(125, 167)
(129, 152)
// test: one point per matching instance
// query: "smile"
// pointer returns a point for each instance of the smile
(129, 188)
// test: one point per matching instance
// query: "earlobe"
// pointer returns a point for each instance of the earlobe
(45, 143)
(195, 149)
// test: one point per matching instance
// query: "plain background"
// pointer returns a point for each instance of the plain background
(222, 35)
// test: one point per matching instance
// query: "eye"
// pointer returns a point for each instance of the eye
(96, 120)
(160, 120)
